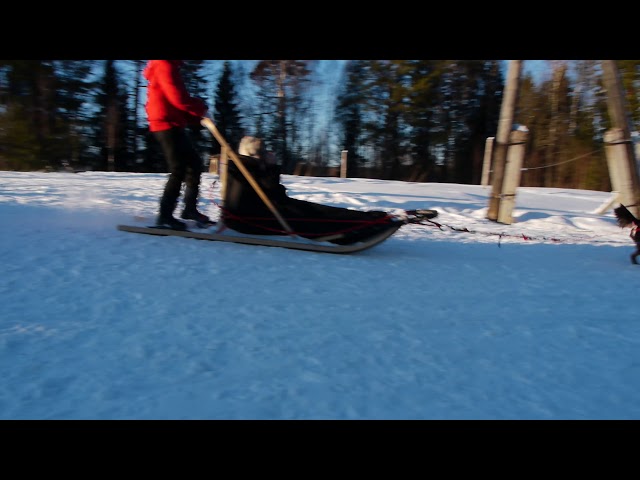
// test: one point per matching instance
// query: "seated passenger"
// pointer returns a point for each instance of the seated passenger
(244, 211)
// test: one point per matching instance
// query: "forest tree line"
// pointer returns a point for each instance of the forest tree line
(413, 120)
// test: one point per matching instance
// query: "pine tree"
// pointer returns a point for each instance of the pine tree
(349, 116)
(227, 116)
(112, 114)
(281, 84)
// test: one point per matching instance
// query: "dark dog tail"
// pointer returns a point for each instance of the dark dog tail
(625, 218)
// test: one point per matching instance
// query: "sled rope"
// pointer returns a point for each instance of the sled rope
(502, 235)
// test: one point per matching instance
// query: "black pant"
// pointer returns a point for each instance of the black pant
(184, 164)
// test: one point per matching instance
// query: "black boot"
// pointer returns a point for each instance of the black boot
(165, 217)
(190, 211)
(170, 222)
(193, 214)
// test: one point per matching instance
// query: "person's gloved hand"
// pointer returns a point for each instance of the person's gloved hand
(202, 103)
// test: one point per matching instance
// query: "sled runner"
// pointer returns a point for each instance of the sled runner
(294, 242)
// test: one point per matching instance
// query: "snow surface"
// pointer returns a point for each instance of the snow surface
(533, 320)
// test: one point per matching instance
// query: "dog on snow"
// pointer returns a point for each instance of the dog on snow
(626, 219)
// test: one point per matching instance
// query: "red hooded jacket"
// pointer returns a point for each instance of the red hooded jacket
(168, 102)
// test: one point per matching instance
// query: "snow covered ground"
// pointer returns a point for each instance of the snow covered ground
(534, 320)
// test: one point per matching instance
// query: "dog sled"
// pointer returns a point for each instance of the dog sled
(256, 210)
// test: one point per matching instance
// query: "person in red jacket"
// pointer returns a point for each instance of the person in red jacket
(170, 111)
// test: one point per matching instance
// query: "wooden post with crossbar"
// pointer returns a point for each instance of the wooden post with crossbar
(512, 174)
(621, 171)
(620, 151)
(500, 147)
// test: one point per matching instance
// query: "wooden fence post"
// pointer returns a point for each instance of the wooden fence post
(622, 179)
(512, 174)
(486, 163)
(222, 173)
(505, 126)
(343, 164)
(623, 169)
